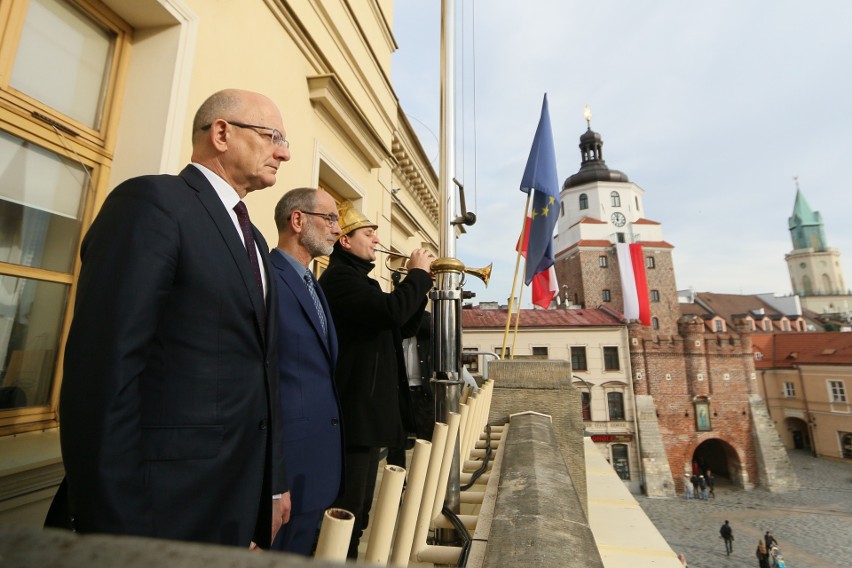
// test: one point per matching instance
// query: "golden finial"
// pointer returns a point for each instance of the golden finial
(587, 114)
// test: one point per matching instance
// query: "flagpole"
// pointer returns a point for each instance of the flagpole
(518, 317)
(515, 279)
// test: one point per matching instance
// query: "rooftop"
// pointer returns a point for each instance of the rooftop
(478, 318)
(791, 349)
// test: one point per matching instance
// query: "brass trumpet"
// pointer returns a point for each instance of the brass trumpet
(451, 264)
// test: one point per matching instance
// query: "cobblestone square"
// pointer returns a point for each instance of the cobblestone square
(813, 525)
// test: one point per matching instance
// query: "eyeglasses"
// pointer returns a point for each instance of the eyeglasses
(330, 218)
(275, 136)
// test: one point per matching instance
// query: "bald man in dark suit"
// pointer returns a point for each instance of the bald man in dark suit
(168, 402)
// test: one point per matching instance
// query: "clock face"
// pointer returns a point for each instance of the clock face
(618, 219)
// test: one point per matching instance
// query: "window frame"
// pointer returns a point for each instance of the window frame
(650, 263)
(789, 389)
(100, 140)
(837, 392)
(617, 397)
(575, 359)
(535, 355)
(606, 295)
(607, 357)
(69, 139)
(655, 295)
(622, 473)
(469, 359)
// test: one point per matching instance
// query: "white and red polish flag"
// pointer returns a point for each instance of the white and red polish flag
(634, 282)
(544, 284)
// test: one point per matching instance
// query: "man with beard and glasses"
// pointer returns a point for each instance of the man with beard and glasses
(307, 355)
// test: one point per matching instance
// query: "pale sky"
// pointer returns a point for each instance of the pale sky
(712, 108)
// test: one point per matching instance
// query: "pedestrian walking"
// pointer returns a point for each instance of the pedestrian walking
(702, 482)
(727, 535)
(687, 485)
(695, 485)
(711, 484)
(769, 540)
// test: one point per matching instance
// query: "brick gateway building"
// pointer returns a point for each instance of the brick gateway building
(695, 388)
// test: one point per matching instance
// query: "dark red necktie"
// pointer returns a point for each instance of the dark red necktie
(248, 237)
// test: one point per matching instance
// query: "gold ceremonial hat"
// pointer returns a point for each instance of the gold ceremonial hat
(351, 218)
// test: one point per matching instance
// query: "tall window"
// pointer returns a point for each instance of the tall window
(578, 359)
(655, 295)
(603, 262)
(611, 362)
(620, 461)
(586, 402)
(789, 390)
(615, 199)
(562, 209)
(615, 404)
(606, 295)
(61, 73)
(836, 391)
(650, 262)
(655, 323)
(718, 326)
(584, 201)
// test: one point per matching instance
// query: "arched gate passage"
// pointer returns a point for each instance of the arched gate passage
(720, 457)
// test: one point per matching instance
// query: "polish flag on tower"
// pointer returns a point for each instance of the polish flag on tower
(634, 282)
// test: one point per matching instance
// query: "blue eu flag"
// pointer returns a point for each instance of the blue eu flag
(540, 176)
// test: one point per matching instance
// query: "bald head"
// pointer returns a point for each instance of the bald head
(235, 134)
(217, 105)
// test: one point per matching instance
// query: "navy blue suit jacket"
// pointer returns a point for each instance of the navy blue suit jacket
(310, 409)
(168, 395)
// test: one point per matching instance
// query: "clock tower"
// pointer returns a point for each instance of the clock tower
(601, 207)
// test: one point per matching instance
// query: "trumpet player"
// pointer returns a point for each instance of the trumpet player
(371, 378)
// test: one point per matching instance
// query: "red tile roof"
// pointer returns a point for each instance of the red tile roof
(790, 349)
(477, 318)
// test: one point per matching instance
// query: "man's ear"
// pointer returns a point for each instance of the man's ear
(218, 134)
(344, 242)
(297, 222)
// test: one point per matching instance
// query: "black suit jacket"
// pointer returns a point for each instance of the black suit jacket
(169, 375)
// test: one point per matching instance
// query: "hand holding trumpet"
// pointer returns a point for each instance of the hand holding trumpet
(422, 259)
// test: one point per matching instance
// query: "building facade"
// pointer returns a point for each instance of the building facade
(93, 92)
(595, 342)
(805, 380)
(815, 271)
(695, 386)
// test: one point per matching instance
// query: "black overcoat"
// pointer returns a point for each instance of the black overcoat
(371, 324)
